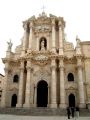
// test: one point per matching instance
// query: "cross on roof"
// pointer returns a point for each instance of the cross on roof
(43, 8)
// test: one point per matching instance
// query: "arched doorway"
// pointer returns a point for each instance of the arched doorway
(42, 94)
(14, 100)
(71, 100)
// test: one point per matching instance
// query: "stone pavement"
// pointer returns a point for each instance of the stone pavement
(16, 117)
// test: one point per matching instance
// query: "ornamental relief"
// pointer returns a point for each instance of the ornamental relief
(41, 60)
(43, 28)
(42, 75)
(71, 86)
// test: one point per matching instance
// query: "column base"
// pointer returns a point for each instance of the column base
(82, 105)
(62, 105)
(26, 105)
(53, 105)
(18, 105)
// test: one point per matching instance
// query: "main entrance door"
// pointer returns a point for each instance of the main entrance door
(71, 100)
(42, 94)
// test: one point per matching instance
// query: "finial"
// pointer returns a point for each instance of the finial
(43, 8)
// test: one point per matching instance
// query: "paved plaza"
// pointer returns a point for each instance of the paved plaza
(15, 117)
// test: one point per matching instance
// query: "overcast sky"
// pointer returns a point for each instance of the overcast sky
(76, 13)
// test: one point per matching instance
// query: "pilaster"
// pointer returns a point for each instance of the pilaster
(80, 83)
(53, 36)
(60, 38)
(30, 35)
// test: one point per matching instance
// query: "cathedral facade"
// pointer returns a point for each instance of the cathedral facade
(46, 70)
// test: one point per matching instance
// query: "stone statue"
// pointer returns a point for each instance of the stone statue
(9, 45)
(42, 45)
(78, 41)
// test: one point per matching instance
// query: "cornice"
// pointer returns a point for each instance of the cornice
(7, 60)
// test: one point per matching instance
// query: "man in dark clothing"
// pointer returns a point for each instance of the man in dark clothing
(72, 111)
(68, 112)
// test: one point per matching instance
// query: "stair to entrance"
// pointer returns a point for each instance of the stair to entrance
(40, 111)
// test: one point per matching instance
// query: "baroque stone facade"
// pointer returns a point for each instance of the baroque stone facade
(46, 70)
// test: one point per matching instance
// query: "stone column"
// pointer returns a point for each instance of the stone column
(24, 39)
(28, 84)
(21, 86)
(53, 85)
(60, 38)
(30, 35)
(53, 36)
(80, 84)
(62, 86)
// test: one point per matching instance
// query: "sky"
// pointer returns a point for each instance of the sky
(76, 14)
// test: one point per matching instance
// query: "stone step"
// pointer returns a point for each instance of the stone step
(40, 111)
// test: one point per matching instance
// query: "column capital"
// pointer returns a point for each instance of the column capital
(53, 67)
(53, 22)
(61, 67)
(60, 24)
(28, 68)
(31, 24)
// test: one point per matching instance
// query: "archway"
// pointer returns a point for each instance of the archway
(42, 94)
(14, 100)
(71, 100)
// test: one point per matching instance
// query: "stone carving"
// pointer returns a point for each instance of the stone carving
(42, 75)
(42, 28)
(9, 45)
(41, 57)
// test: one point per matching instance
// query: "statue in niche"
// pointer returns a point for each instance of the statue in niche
(78, 41)
(9, 45)
(43, 45)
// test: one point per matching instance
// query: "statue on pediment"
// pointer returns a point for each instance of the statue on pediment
(78, 41)
(9, 45)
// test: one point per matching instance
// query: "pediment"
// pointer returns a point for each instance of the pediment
(13, 89)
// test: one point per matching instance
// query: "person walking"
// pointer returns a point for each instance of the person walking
(77, 112)
(68, 112)
(72, 111)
